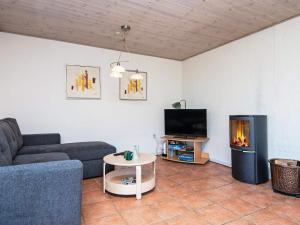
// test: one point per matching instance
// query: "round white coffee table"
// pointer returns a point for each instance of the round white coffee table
(112, 181)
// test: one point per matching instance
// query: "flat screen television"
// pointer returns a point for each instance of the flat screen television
(186, 122)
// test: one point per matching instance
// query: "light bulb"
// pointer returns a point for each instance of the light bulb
(118, 68)
(116, 74)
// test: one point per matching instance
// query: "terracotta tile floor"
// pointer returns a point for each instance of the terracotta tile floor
(191, 195)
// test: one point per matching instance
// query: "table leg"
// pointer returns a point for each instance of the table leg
(138, 182)
(104, 165)
(154, 170)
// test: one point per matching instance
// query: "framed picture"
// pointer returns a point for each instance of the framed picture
(132, 89)
(83, 82)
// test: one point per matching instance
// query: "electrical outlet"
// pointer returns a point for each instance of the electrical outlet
(154, 135)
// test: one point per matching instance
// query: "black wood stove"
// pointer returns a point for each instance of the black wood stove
(249, 148)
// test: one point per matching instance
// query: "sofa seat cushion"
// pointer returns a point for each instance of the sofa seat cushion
(38, 158)
(82, 150)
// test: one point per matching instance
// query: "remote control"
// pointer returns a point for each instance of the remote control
(118, 153)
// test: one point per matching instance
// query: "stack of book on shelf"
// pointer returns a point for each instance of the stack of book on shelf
(177, 146)
(186, 157)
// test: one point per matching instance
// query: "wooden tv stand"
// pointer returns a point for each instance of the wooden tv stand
(199, 156)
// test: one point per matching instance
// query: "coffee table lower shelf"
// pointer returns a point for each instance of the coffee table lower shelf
(113, 182)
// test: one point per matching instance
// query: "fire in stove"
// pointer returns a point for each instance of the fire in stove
(240, 133)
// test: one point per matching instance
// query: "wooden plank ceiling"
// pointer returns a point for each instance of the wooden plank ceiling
(175, 29)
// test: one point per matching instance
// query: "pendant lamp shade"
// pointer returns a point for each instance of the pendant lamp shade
(136, 76)
(118, 68)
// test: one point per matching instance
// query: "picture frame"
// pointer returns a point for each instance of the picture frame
(131, 89)
(83, 82)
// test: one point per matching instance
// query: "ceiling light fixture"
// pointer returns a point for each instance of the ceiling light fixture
(116, 69)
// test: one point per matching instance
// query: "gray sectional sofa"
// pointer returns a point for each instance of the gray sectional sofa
(36, 148)
(40, 179)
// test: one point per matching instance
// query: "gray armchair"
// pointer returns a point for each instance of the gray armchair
(41, 193)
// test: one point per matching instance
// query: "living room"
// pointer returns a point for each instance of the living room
(233, 58)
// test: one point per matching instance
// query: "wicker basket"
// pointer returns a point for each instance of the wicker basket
(285, 176)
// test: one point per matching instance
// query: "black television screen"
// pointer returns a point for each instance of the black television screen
(185, 122)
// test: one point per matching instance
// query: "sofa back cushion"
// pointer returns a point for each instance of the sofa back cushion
(15, 127)
(5, 154)
(10, 138)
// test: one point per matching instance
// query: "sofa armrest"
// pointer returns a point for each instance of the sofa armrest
(41, 139)
(41, 193)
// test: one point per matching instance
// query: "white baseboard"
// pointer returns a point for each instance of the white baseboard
(221, 162)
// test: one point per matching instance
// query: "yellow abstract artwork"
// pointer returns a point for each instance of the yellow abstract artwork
(131, 89)
(83, 82)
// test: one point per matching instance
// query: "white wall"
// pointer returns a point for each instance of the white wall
(32, 89)
(258, 74)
